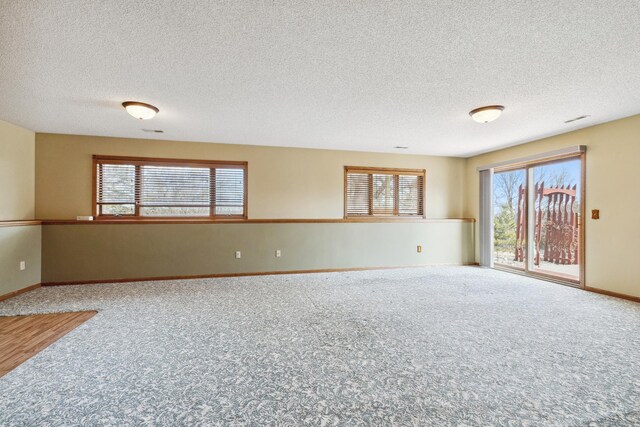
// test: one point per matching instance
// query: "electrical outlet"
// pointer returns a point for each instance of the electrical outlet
(595, 214)
(23, 265)
(419, 248)
(238, 254)
(278, 253)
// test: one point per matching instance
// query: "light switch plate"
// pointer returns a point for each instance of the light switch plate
(595, 214)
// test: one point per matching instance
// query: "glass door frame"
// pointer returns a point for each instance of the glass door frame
(529, 203)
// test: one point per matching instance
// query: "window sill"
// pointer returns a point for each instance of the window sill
(124, 220)
(255, 221)
(384, 218)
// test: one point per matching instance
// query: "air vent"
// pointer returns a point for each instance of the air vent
(399, 147)
(153, 130)
(576, 119)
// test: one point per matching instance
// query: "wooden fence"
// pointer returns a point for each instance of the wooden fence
(556, 226)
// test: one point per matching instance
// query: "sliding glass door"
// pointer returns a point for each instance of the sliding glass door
(509, 219)
(557, 218)
(537, 219)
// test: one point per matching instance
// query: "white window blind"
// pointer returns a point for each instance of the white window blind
(384, 192)
(139, 187)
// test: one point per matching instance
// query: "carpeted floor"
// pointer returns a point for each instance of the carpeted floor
(439, 346)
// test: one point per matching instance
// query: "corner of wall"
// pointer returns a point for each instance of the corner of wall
(19, 242)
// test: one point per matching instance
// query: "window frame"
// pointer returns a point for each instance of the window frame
(169, 162)
(396, 173)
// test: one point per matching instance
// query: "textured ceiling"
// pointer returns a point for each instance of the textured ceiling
(356, 75)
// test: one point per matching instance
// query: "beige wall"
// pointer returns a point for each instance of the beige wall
(612, 182)
(17, 162)
(301, 183)
(22, 243)
(84, 252)
(283, 182)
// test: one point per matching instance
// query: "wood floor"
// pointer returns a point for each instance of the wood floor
(21, 337)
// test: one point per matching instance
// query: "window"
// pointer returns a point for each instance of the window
(384, 192)
(141, 187)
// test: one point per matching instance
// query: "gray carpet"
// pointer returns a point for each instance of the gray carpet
(459, 346)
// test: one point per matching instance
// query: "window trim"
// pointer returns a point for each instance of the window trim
(157, 161)
(396, 172)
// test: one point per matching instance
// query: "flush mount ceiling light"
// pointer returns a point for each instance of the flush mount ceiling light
(486, 114)
(140, 110)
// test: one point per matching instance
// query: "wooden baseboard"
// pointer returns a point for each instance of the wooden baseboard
(269, 273)
(19, 291)
(612, 294)
(222, 275)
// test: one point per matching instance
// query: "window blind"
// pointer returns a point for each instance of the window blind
(384, 192)
(140, 187)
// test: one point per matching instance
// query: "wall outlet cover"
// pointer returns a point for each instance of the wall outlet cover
(238, 254)
(23, 265)
(278, 253)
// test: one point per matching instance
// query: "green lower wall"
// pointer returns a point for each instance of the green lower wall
(118, 251)
(20, 243)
